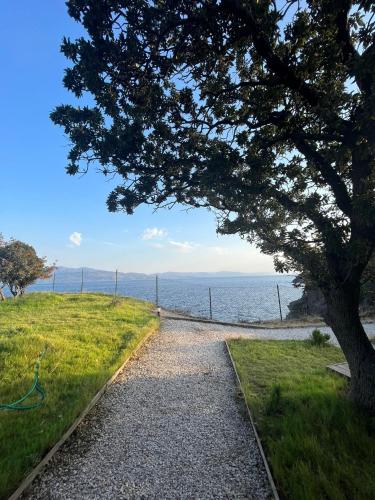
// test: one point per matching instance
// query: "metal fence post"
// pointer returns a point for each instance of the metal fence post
(116, 284)
(82, 281)
(278, 295)
(53, 282)
(157, 290)
(209, 295)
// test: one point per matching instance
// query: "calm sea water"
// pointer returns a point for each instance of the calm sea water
(244, 298)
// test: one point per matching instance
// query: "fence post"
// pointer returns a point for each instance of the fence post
(209, 295)
(116, 284)
(157, 290)
(82, 281)
(53, 282)
(278, 295)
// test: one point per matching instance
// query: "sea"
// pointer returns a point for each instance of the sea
(226, 298)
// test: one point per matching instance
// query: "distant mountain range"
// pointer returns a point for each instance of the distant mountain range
(72, 274)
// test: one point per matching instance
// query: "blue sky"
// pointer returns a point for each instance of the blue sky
(65, 218)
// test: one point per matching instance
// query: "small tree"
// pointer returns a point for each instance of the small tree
(2, 284)
(262, 110)
(20, 266)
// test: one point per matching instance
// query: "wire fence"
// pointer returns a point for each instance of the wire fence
(245, 299)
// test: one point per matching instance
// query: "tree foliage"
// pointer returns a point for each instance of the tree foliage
(20, 266)
(261, 110)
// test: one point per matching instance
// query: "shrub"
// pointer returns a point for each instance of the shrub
(318, 338)
(20, 266)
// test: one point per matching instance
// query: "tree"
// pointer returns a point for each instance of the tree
(2, 285)
(263, 111)
(312, 301)
(20, 266)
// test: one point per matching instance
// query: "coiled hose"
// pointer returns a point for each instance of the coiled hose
(36, 387)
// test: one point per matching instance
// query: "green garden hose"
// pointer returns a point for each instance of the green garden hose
(36, 387)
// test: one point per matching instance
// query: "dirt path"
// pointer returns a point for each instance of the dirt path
(169, 428)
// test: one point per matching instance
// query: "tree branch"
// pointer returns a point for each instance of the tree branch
(254, 83)
(283, 70)
(330, 175)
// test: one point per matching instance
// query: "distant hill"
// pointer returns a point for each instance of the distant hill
(72, 275)
(221, 274)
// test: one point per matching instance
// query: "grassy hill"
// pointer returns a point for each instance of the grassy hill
(86, 338)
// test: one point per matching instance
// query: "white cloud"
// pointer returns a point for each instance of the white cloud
(153, 232)
(156, 245)
(220, 250)
(187, 247)
(76, 238)
(183, 246)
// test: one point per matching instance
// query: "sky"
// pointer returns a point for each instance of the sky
(65, 218)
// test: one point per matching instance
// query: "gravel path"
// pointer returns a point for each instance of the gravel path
(302, 333)
(169, 428)
(299, 333)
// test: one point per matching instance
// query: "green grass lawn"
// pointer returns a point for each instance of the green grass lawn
(87, 337)
(319, 446)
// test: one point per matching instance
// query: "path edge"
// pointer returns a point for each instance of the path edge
(259, 443)
(38, 468)
(248, 326)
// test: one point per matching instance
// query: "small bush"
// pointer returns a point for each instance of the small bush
(318, 338)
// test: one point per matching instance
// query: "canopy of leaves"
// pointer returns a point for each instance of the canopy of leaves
(261, 110)
(20, 266)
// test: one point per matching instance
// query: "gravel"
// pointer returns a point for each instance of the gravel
(170, 427)
(295, 333)
(301, 333)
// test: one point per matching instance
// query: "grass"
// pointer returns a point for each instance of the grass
(302, 322)
(87, 337)
(317, 443)
(290, 323)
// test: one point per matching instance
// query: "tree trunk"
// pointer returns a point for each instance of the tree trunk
(2, 296)
(343, 318)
